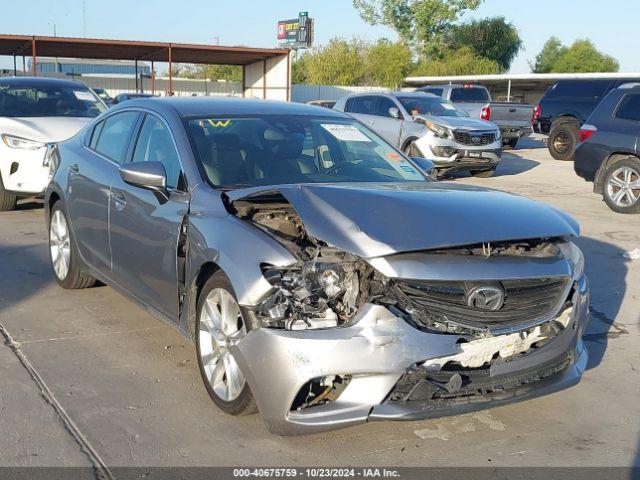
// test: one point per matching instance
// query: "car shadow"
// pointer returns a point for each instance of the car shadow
(24, 271)
(606, 269)
(510, 165)
(30, 204)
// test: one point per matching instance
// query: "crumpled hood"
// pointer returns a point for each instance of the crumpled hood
(373, 220)
(466, 123)
(43, 129)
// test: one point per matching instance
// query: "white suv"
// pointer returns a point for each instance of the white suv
(34, 113)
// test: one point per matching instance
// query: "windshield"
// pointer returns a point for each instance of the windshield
(430, 105)
(238, 152)
(48, 101)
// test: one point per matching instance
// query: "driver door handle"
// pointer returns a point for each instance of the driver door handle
(118, 200)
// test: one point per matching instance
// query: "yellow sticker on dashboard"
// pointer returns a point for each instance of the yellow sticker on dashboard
(219, 123)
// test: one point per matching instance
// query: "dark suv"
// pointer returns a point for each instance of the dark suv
(565, 107)
(608, 154)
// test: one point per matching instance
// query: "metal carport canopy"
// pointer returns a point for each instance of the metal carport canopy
(34, 46)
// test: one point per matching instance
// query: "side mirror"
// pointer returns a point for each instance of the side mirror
(394, 112)
(148, 175)
(426, 166)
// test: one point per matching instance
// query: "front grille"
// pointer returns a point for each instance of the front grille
(418, 387)
(524, 301)
(474, 138)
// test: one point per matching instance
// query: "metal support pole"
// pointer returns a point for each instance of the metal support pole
(244, 86)
(24, 65)
(15, 68)
(170, 72)
(509, 91)
(33, 57)
(264, 79)
(135, 66)
(153, 79)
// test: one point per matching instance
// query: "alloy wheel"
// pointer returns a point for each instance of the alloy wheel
(221, 326)
(60, 245)
(561, 143)
(623, 186)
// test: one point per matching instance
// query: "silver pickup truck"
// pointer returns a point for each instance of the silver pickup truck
(514, 119)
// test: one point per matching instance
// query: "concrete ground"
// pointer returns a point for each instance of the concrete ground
(101, 380)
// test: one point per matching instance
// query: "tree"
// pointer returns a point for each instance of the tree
(386, 63)
(581, 57)
(463, 61)
(229, 73)
(417, 22)
(340, 62)
(547, 57)
(492, 38)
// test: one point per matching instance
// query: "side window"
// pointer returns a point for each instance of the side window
(364, 105)
(155, 144)
(383, 105)
(629, 108)
(114, 135)
(95, 133)
(580, 88)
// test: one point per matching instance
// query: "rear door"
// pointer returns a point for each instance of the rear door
(145, 228)
(622, 129)
(363, 108)
(89, 180)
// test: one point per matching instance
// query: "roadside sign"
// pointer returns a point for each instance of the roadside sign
(296, 33)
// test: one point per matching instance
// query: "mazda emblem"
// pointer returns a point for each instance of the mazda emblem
(486, 298)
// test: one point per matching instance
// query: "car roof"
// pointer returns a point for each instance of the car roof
(206, 106)
(40, 82)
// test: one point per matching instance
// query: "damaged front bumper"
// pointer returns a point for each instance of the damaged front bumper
(382, 359)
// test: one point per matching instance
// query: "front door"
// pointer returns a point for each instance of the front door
(145, 228)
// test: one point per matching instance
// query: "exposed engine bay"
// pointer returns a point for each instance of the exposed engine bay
(327, 286)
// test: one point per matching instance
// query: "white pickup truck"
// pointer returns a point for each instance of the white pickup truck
(514, 119)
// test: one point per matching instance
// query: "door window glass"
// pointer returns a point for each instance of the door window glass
(114, 136)
(155, 144)
(630, 107)
(383, 106)
(366, 105)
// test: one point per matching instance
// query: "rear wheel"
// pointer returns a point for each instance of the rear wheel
(563, 139)
(66, 263)
(484, 173)
(219, 326)
(622, 186)
(8, 201)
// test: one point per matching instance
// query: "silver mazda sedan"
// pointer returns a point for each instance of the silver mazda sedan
(324, 279)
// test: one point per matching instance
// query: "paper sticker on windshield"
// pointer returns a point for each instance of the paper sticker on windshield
(84, 96)
(346, 133)
(448, 106)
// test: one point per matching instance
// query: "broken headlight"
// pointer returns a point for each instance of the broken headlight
(318, 293)
(575, 258)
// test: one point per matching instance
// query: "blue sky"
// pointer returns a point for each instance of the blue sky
(253, 22)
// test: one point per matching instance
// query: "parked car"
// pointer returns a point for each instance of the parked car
(320, 275)
(35, 112)
(514, 119)
(608, 153)
(123, 97)
(424, 125)
(322, 103)
(104, 96)
(565, 107)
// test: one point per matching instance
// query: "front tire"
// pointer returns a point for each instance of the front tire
(219, 325)
(511, 143)
(8, 201)
(65, 260)
(622, 186)
(563, 139)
